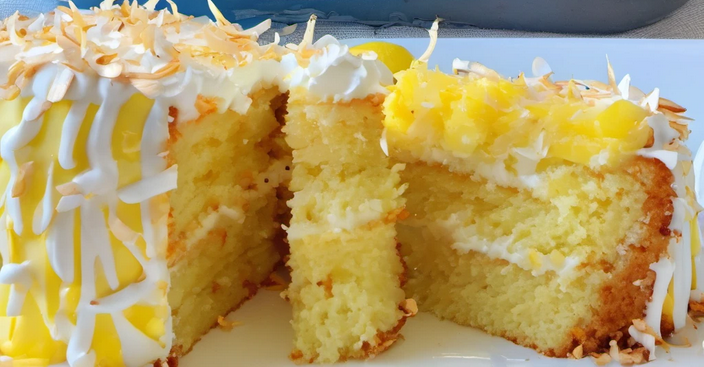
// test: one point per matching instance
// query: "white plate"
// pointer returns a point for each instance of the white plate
(675, 66)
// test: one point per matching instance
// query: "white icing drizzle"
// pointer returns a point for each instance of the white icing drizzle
(676, 265)
(100, 180)
(334, 73)
(151, 186)
(59, 246)
(45, 209)
(20, 279)
(69, 133)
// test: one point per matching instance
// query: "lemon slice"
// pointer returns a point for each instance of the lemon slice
(395, 57)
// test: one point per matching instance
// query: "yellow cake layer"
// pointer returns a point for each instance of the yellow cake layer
(580, 215)
(346, 272)
(222, 227)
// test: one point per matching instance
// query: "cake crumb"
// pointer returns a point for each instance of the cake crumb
(409, 307)
(227, 325)
(275, 282)
(578, 352)
(601, 359)
(629, 357)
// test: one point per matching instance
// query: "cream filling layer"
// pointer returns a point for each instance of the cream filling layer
(339, 216)
(465, 239)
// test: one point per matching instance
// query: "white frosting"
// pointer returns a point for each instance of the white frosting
(346, 216)
(466, 239)
(334, 73)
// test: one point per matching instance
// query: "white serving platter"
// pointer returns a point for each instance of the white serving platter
(674, 66)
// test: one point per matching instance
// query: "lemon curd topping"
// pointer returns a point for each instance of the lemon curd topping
(495, 120)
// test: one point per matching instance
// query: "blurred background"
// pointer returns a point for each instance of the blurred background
(463, 18)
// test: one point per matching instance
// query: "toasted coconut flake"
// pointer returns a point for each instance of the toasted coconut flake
(150, 88)
(613, 350)
(409, 307)
(60, 86)
(309, 34)
(106, 4)
(540, 67)
(9, 93)
(643, 327)
(71, 50)
(151, 4)
(652, 100)
(69, 188)
(121, 231)
(578, 352)
(24, 174)
(624, 87)
(433, 32)
(226, 325)
(285, 31)
(383, 143)
(667, 104)
(628, 357)
(612, 76)
(219, 18)
(601, 359)
(108, 71)
(174, 10)
(258, 29)
(171, 68)
(14, 72)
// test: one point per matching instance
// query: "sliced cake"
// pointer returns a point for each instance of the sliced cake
(559, 215)
(345, 268)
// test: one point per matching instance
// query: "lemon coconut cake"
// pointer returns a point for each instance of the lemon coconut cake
(558, 215)
(147, 155)
(143, 164)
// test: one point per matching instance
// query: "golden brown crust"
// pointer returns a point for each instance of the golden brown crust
(621, 300)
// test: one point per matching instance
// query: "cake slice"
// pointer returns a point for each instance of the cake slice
(558, 215)
(345, 268)
(140, 166)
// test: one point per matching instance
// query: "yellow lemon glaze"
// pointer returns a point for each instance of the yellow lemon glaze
(27, 337)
